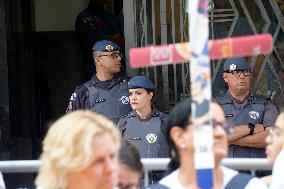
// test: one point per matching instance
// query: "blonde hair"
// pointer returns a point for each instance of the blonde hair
(67, 147)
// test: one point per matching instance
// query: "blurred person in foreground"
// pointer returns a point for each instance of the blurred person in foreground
(80, 152)
(130, 166)
(180, 135)
(275, 153)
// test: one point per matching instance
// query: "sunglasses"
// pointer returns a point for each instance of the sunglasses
(113, 55)
(237, 73)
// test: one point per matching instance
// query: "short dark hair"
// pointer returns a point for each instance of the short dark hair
(130, 157)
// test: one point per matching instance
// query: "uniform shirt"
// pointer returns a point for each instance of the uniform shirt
(146, 134)
(115, 98)
(172, 181)
(92, 26)
(255, 109)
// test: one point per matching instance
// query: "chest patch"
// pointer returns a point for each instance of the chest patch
(253, 114)
(151, 138)
(124, 100)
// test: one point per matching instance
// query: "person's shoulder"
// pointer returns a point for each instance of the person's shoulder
(124, 78)
(259, 98)
(123, 120)
(80, 89)
(256, 183)
(171, 180)
(221, 98)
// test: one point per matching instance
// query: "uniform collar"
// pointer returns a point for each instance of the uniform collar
(106, 84)
(154, 113)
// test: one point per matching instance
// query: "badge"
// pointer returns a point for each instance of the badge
(109, 48)
(151, 138)
(124, 100)
(73, 96)
(233, 67)
(253, 114)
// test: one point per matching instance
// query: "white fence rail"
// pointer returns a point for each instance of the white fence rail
(32, 166)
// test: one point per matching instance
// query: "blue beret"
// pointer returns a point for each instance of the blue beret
(236, 64)
(140, 82)
(105, 46)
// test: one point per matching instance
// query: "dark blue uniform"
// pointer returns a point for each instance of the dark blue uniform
(109, 98)
(146, 134)
(255, 109)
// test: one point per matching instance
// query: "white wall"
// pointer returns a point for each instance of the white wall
(57, 15)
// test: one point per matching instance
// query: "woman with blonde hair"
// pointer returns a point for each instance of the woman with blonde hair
(80, 151)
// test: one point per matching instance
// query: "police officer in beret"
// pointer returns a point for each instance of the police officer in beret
(250, 115)
(106, 93)
(143, 125)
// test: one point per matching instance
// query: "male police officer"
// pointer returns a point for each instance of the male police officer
(105, 93)
(249, 114)
(94, 24)
(143, 126)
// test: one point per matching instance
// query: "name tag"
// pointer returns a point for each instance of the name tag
(101, 100)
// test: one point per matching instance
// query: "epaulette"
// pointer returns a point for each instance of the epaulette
(258, 99)
(222, 99)
(125, 78)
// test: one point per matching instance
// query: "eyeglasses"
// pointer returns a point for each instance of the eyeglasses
(113, 55)
(237, 73)
(274, 131)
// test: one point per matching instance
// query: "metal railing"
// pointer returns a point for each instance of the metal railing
(151, 164)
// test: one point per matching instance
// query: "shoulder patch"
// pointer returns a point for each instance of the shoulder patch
(73, 97)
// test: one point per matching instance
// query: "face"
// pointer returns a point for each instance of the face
(275, 139)
(102, 173)
(185, 140)
(238, 83)
(140, 98)
(128, 179)
(220, 136)
(110, 62)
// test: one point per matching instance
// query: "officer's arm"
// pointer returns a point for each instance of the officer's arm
(241, 131)
(121, 125)
(256, 140)
(270, 115)
(78, 100)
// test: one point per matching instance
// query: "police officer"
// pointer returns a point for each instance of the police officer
(143, 125)
(247, 113)
(94, 24)
(106, 93)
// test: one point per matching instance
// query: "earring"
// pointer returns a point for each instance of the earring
(183, 146)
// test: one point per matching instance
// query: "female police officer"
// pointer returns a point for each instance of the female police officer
(143, 126)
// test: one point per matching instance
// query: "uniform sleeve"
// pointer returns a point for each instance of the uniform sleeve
(78, 100)
(270, 115)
